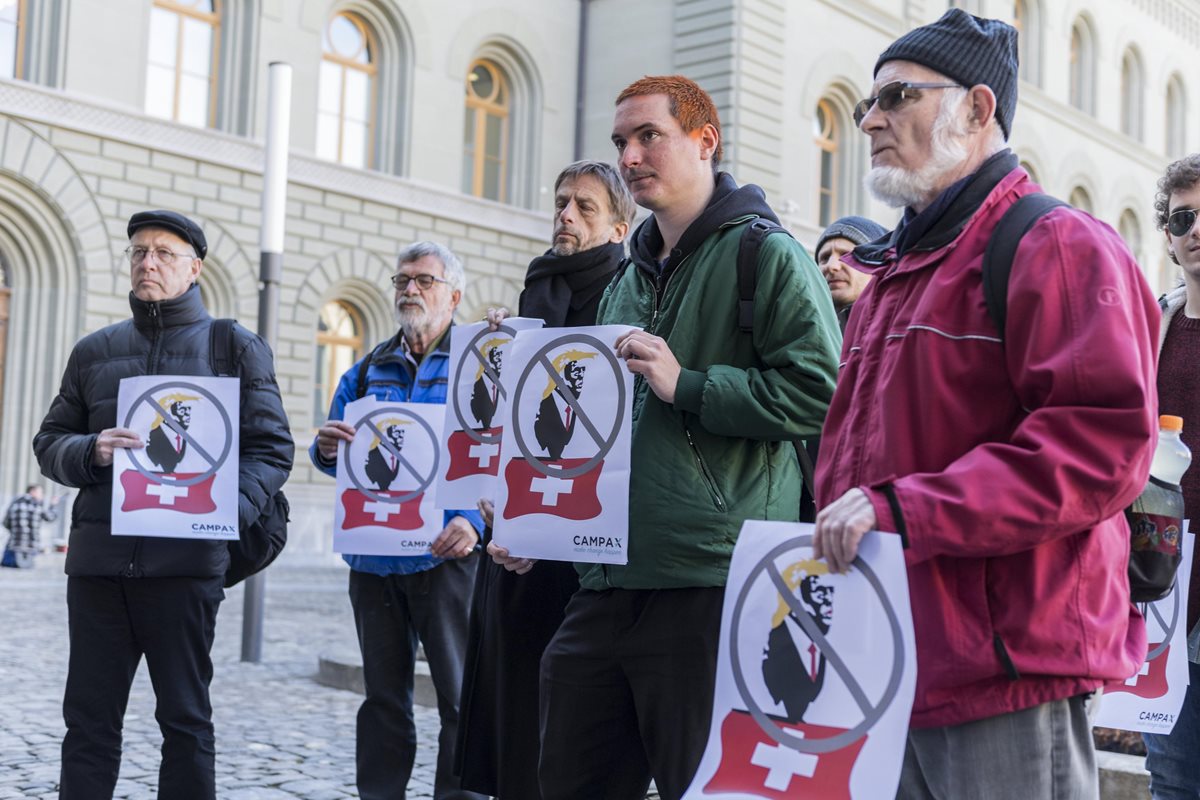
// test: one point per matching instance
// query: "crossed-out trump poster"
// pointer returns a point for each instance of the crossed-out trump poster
(183, 484)
(1150, 699)
(563, 492)
(475, 409)
(815, 673)
(385, 479)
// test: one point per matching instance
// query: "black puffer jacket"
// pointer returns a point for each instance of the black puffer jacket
(166, 338)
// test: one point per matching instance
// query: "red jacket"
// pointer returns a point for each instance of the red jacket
(1008, 463)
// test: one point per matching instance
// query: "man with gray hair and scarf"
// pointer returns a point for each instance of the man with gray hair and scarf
(400, 599)
(1003, 454)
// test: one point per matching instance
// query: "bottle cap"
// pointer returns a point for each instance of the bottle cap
(1170, 423)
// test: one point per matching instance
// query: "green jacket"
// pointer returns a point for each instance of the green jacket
(723, 452)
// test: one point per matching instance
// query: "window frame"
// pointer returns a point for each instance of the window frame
(1176, 117)
(479, 109)
(356, 343)
(1133, 94)
(371, 69)
(1081, 92)
(213, 19)
(827, 142)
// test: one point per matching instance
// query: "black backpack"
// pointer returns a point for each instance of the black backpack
(753, 235)
(1151, 571)
(265, 538)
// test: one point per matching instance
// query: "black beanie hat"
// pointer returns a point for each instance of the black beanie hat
(859, 230)
(969, 50)
(174, 222)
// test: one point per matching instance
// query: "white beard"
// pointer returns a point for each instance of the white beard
(899, 187)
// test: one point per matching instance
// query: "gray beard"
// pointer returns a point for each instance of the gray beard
(899, 187)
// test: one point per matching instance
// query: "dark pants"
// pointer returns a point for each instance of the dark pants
(112, 623)
(391, 613)
(627, 688)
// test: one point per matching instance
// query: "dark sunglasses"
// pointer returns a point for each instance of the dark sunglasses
(1181, 221)
(892, 95)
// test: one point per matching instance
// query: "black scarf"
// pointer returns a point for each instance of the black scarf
(556, 284)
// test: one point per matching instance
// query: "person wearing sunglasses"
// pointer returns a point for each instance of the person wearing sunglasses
(399, 600)
(1171, 759)
(1003, 458)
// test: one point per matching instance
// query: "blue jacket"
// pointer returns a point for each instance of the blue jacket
(391, 377)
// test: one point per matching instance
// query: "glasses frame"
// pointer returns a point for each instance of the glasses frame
(901, 90)
(1195, 212)
(158, 252)
(425, 281)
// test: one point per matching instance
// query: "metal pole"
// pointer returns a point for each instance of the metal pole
(581, 79)
(274, 207)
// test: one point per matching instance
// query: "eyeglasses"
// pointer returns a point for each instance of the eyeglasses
(1180, 222)
(137, 255)
(424, 282)
(892, 95)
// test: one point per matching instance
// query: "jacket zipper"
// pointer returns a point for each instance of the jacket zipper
(709, 481)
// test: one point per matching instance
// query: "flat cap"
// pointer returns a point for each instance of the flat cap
(174, 222)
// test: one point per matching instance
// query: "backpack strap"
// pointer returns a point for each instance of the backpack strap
(221, 348)
(360, 386)
(747, 267)
(1002, 249)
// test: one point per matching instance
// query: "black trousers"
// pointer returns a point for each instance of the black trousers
(627, 687)
(112, 623)
(391, 613)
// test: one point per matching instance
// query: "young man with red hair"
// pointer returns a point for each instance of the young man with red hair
(628, 679)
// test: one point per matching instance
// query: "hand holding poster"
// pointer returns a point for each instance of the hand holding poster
(1150, 699)
(385, 500)
(564, 487)
(476, 406)
(184, 483)
(815, 673)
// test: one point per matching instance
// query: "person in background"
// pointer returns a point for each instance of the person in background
(24, 519)
(845, 282)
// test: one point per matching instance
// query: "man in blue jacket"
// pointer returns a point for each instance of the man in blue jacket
(400, 599)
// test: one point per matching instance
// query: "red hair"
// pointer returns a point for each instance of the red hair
(690, 105)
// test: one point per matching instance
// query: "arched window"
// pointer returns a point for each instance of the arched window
(1176, 117)
(12, 20)
(180, 71)
(485, 134)
(339, 345)
(1027, 21)
(1080, 198)
(346, 98)
(1131, 94)
(1033, 176)
(827, 130)
(1131, 232)
(1083, 66)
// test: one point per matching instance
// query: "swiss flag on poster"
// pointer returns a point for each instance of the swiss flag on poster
(142, 493)
(1150, 681)
(531, 492)
(752, 763)
(469, 457)
(363, 511)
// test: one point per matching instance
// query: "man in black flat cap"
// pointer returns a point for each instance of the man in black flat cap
(129, 596)
(1002, 447)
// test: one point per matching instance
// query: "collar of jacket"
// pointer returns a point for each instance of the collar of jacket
(953, 220)
(187, 309)
(393, 349)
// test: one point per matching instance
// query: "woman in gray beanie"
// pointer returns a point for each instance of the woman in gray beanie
(845, 283)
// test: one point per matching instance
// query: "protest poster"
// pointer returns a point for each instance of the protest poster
(815, 674)
(563, 492)
(385, 477)
(1150, 699)
(476, 405)
(183, 484)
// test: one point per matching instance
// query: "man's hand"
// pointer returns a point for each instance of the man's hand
(328, 436)
(649, 356)
(495, 316)
(840, 527)
(456, 540)
(486, 510)
(109, 438)
(500, 556)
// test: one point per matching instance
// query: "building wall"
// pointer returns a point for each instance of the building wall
(78, 156)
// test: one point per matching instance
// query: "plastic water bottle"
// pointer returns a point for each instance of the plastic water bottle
(1156, 517)
(1171, 456)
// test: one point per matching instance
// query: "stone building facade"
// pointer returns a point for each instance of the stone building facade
(450, 120)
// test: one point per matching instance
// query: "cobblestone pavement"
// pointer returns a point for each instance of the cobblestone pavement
(279, 733)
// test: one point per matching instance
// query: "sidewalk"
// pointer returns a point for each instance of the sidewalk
(279, 733)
